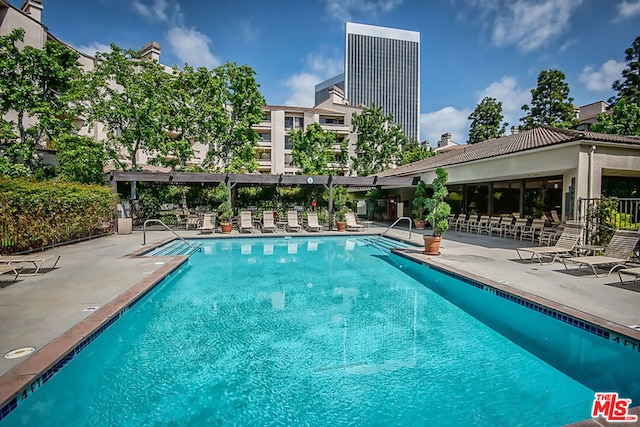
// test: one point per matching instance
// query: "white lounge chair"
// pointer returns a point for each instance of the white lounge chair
(268, 222)
(352, 223)
(312, 222)
(635, 272)
(37, 261)
(208, 224)
(292, 221)
(565, 244)
(246, 223)
(617, 254)
(7, 269)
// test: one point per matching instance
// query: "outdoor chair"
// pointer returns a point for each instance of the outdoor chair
(555, 217)
(532, 231)
(516, 228)
(451, 220)
(549, 235)
(352, 223)
(488, 227)
(268, 222)
(292, 221)
(618, 253)
(312, 222)
(208, 224)
(192, 221)
(469, 223)
(246, 223)
(461, 219)
(13, 269)
(565, 244)
(37, 261)
(475, 226)
(634, 271)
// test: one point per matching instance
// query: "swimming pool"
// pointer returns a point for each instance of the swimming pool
(326, 331)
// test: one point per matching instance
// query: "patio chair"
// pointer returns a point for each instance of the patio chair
(617, 254)
(549, 235)
(192, 221)
(268, 222)
(246, 223)
(208, 224)
(10, 269)
(292, 221)
(516, 228)
(352, 223)
(475, 226)
(532, 231)
(37, 261)
(312, 222)
(461, 219)
(635, 272)
(471, 221)
(565, 244)
(555, 217)
(493, 223)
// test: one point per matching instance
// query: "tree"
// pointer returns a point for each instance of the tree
(412, 152)
(624, 119)
(486, 121)
(550, 103)
(237, 107)
(39, 94)
(379, 142)
(314, 149)
(80, 159)
(629, 87)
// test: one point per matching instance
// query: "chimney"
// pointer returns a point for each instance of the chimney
(445, 140)
(515, 130)
(33, 8)
(151, 50)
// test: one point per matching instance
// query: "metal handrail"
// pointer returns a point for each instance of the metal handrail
(392, 225)
(144, 233)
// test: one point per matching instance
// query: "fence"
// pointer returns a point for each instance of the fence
(601, 216)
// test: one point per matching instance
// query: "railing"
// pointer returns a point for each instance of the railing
(601, 216)
(144, 233)
(392, 225)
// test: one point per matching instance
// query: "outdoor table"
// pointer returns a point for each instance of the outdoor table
(366, 224)
(588, 249)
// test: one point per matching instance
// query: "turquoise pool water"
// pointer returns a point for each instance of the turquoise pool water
(323, 331)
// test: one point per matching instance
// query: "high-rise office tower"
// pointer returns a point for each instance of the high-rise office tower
(382, 68)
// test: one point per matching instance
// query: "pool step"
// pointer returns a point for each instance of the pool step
(176, 247)
(385, 244)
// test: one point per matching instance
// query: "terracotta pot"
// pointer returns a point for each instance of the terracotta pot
(226, 228)
(341, 226)
(432, 245)
(419, 224)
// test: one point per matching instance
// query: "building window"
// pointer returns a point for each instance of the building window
(288, 158)
(267, 117)
(291, 122)
(288, 144)
(264, 136)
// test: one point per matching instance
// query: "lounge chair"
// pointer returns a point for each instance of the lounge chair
(635, 272)
(268, 222)
(459, 221)
(246, 223)
(565, 244)
(37, 261)
(292, 221)
(208, 224)
(617, 254)
(10, 269)
(312, 222)
(352, 223)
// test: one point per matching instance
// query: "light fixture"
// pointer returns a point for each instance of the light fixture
(310, 180)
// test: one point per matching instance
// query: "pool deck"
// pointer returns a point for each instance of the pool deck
(96, 278)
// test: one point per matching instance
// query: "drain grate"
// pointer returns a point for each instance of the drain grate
(92, 308)
(19, 352)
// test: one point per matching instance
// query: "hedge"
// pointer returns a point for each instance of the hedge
(36, 215)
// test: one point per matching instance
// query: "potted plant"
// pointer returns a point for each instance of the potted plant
(340, 204)
(341, 218)
(418, 205)
(225, 213)
(438, 212)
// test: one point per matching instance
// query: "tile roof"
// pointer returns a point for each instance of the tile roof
(527, 140)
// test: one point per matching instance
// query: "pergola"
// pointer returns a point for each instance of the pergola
(258, 180)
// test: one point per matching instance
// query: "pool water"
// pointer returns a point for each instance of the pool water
(303, 331)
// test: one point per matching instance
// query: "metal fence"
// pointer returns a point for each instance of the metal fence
(601, 216)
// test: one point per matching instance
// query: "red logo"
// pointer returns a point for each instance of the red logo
(612, 408)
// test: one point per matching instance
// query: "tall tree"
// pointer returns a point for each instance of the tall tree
(412, 152)
(551, 104)
(234, 140)
(314, 149)
(379, 142)
(629, 86)
(39, 98)
(80, 159)
(486, 121)
(624, 119)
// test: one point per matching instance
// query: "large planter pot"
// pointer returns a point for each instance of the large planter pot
(226, 228)
(419, 224)
(341, 226)
(125, 225)
(432, 245)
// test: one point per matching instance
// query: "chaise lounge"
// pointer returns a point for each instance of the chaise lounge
(565, 244)
(10, 269)
(617, 254)
(37, 262)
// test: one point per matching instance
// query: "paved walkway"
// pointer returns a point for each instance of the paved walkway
(35, 310)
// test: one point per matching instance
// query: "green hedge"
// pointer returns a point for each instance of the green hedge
(35, 215)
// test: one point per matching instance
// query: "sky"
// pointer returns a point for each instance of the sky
(469, 49)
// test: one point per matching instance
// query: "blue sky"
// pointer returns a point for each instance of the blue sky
(469, 48)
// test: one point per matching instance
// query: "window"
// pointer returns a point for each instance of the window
(267, 116)
(291, 122)
(264, 136)
(288, 144)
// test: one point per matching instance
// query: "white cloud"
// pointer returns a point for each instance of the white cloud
(94, 47)
(628, 9)
(159, 11)
(192, 47)
(506, 90)
(300, 87)
(602, 79)
(531, 24)
(343, 10)
(447, 119)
